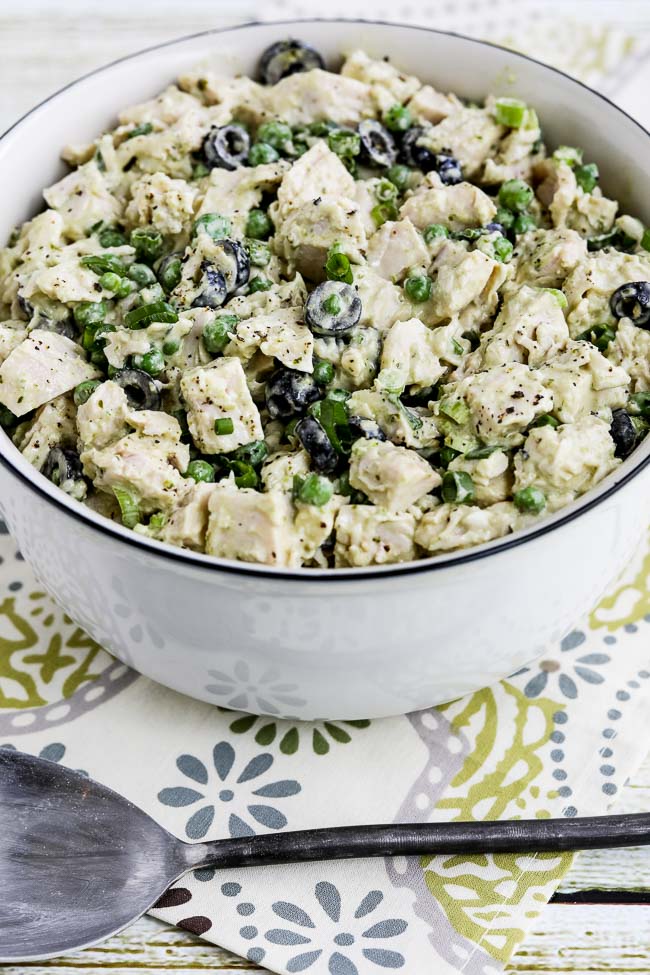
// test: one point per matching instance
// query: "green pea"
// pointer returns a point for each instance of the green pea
(530, 500)
(399, 175)
(254, 453)
(398, 118)
(261, 153)
(502, 249)
(152, 362)
(87, 312)
(170, 273)
(457, 487)
(313, 489)
(598, 335)
(418, 287)
(148, 243)
(259, 253)
(323, 373)
(110, 281)
(259, 225)
(84, 391)
(505, 217)
(214, 225)
(141, 274)
(523, 222)
(277, 134)
(645, 240)
(433, 232)
(344, 142)
(200, 471)
(216, 333)
(515, 195)
(587, 176)
(337, 267)
(171, 347)
(110, 237)
(224, 426)
(331, 305)
(259, 284)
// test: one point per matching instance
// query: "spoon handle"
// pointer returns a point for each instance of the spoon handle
(506, 836)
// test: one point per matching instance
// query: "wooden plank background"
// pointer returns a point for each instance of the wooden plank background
(600, 920)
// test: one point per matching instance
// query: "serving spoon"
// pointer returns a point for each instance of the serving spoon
(78, 862)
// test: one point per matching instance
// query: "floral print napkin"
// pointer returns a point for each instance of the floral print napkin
(557, 739)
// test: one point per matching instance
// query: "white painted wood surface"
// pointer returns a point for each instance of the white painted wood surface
(45, 44)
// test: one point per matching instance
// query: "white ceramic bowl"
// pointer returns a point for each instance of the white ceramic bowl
(351, 643)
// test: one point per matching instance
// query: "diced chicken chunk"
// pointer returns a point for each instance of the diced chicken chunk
(396, 247)
(429, 105)
(319, 172)
(164, 203)
(279, 334)
(491, 476)
(279, 470)
(457, 207)
(590, 286)
(460, 278)
(631, 351)
(409, 350)
(530, 328)
(388, 85)
(392, 477)
(313, 96)
(219, 392)
(469, 134)
(449, 527)
(382, 302)
(83, 198)
(581, 380)
(306, 235)
(372, 536)
(187, 524)
(251, 527)
(545, 257)
(42, 367)
(53, 426)
(566, 461)
(503, 402)
(234, 193)
(102, 419)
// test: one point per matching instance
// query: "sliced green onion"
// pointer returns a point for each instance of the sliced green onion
(129, 506)
(457, 487)
(568, 154)
(144, 129)
(480, 453)
(545, 420)
(148, 243)
(598, 335)
(84, 391)
(510, 112)
(559, 296)
(344, 142)
(645, 240)
(383, 212)
(104, 264)
(337, 266)
(456, 409)
(224, 426)
(587, 176)
(157, 311)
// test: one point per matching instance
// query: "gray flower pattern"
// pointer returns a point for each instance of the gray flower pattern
(222, 786)
(568, 671)
(346, 940)
(266, 693)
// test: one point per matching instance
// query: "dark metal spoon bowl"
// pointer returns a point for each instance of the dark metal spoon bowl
(78, 862)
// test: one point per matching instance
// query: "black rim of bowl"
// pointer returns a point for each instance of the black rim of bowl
(254, 570)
